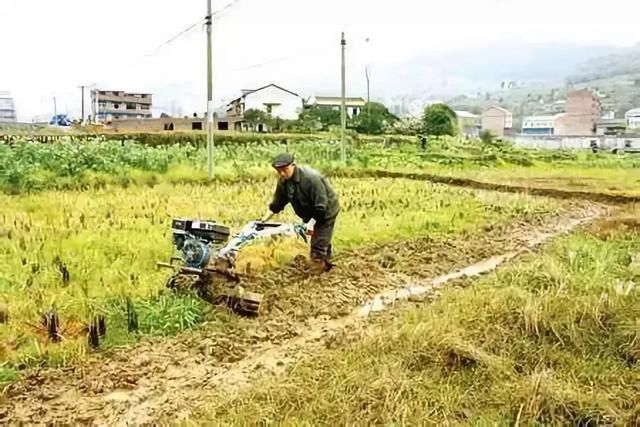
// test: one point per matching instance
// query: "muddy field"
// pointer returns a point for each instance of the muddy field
(168, 378)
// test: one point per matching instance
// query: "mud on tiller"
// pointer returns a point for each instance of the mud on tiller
(207, 255)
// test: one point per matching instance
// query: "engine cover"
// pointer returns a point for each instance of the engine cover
(195, 252)
(209, 231)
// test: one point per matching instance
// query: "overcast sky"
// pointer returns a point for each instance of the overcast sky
(50, 47)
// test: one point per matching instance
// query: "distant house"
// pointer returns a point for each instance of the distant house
(7, 108)
(632, 118)
(582, 113)
(271, 99)
(353, 106)
(611, 127)
(468, 124)
(538, 125)
(113, 105)
(497, 120)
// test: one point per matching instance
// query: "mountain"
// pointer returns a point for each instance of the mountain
(623, 62)
(526, 78)
(483, 69)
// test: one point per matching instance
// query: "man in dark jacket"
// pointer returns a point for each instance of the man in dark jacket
(312, 199)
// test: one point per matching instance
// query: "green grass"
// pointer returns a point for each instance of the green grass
(110, 240)
(551, 340)
(7, 376)
(609, 180)
(103, 164)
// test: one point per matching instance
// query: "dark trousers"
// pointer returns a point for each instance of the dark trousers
(321, 240)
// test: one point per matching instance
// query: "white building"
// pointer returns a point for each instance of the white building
(468, 123)
(7, 108)
(633, 118)
(271, 99)
(538, 125)
(353, 105)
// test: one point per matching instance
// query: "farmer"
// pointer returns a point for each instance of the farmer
(313, 200)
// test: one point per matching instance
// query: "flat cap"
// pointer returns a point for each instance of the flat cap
(282, 160)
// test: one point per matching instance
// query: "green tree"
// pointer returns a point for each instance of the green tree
(253, 118)
(318, 118)
(439, 119)
(373, 119)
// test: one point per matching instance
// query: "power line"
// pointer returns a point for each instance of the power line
(202, 21)
(181, 33)
(301, 54)
(228, 6)
(273, 61)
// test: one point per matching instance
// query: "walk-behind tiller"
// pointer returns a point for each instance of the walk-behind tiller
(207, 259)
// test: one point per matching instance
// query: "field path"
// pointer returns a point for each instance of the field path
(160, 380)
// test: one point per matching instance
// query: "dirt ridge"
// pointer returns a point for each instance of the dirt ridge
(611, 199)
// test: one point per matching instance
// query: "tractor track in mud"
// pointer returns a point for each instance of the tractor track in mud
(605, 198)
(160, 379)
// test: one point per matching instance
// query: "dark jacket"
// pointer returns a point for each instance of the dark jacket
(309, 193)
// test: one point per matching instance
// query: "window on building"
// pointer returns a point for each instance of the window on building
(144, 107)
(269, 108)
(116, 106)
(131, 106)
(196, 125)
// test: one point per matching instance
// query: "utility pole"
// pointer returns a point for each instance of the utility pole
(343, 44)
(55, 111)
(366, 71)
(82, 88)
(210, 140)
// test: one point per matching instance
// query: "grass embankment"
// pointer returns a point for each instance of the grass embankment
(84, 253)
(91, 165)
(552, 339)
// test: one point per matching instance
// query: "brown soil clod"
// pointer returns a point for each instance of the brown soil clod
(606, 228)
(4, 313)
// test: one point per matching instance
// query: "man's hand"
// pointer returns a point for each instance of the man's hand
(309, 226)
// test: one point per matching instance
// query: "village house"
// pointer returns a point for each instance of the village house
(271, 99)
(582, 113)
(353, 105)
(113, 105)
(468, 124)
(632, 117)
(538, 125)
(498, 120)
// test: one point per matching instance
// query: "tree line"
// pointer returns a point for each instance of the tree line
(373, 119)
